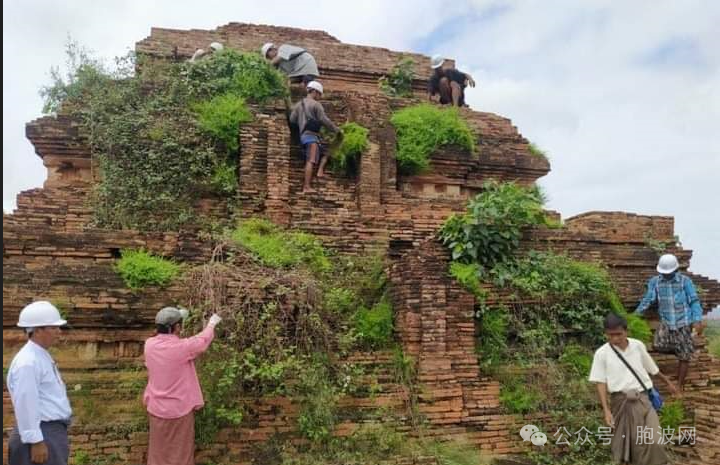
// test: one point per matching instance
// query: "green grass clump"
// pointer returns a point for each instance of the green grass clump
(577, 359)
(672, 415)
(421, 129)
(518, 397)
(346, 156)
(277, 248)
(374, 326)
(140, 269)
(221, 117)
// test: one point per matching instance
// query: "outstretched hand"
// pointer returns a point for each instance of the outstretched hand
(214, 320)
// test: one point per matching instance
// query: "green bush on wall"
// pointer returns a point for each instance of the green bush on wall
(277, 248)
(345, 157)
(423, 128)
(140, 269)
(374, 326)
(159, 129)
(221, 118)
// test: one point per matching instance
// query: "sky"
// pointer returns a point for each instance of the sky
(623, 96)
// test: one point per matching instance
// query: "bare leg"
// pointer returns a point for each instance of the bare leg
(321, 169)
(445, 90)
(456, 93)
(307, 187)
(683, 367)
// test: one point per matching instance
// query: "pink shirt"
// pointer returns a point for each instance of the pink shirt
(173, 389)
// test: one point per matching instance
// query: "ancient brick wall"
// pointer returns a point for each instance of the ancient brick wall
(51, 250)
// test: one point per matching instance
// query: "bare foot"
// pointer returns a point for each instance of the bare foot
(320, 174)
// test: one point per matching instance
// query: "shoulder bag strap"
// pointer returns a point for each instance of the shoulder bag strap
(628, 366)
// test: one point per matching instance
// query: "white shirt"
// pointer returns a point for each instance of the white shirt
(37, 391)
(609, 369)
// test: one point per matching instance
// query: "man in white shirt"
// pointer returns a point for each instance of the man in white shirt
(629, 411)
(40, 402)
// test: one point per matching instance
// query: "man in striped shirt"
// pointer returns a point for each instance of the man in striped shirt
(679, 309)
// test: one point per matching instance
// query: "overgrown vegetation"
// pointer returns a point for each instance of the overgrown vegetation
(490, 231)
(549, 323)
(163, 133)
(421, 129)
(277, 248)
(140, 269)
(301, 309)
(345, 157)
(398, 83)
(376, 443)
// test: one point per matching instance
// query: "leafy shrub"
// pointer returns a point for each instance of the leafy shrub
(638, 327)
(468, 275)
(246, 75)
(398, 83)
(224, 178)
(517, 397)
(672, 415)
(345, 157)
(491, 229)
(221, 118)
(221, 372)
(341, 300)
(423, 128)
(156, 129)
(84, 74)
(319, 400)
(374, 326)
(577, 358)
(140, 269)
(281, 249)
(493, 334)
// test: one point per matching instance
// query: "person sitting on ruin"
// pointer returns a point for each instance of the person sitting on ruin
(309, 115)
(296, 62)
(448, 82)
(202, 53)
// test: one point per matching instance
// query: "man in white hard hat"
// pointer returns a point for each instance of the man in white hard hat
(173, 391)
(309, 115)
(202, 53)
(40, 402)
(679, 309)
(296, 62)
(448, 82)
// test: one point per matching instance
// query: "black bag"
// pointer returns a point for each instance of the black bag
(311, 124)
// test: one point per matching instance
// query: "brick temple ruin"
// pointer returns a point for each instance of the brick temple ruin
(50, 251)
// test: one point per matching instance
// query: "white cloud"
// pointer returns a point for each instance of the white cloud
(622, 133)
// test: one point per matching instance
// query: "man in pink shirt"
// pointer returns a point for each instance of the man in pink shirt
(173, 391)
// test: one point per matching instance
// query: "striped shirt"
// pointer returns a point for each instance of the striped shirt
(678, 303)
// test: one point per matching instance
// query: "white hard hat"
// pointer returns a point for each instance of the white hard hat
(39, 314)
(170, 315)
(315, 85)
(436, 61)
(264, 49)
(667, 264)
(216, 46)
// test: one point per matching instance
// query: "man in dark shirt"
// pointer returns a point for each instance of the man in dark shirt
(448, 82)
